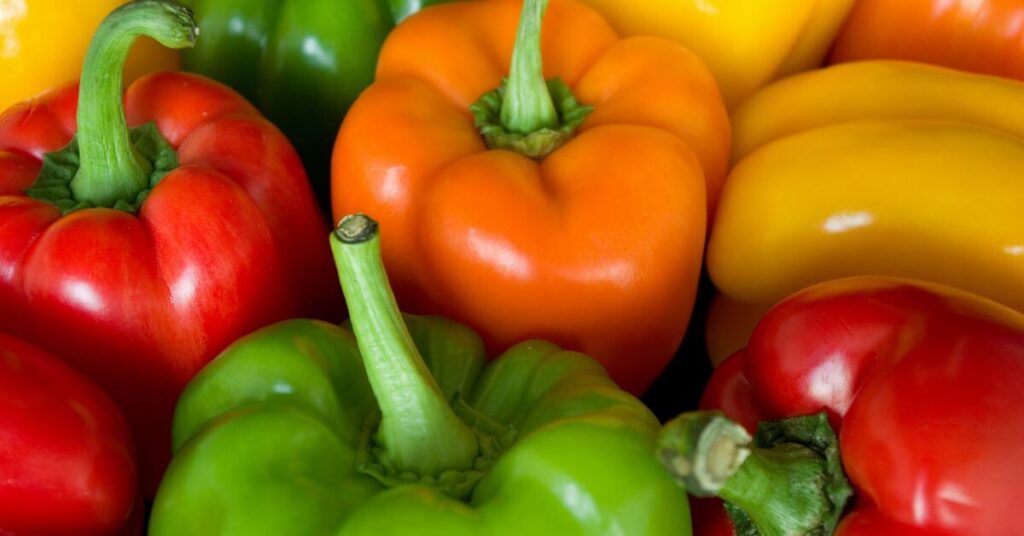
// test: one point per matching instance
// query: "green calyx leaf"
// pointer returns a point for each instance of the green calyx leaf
(538, 144)
(492, 437)
(794, 436)
(53, 184)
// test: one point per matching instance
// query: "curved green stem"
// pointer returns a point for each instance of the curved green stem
(527, 115)
(527, 106)
(418, 429)
(111, 168)
(790, 482)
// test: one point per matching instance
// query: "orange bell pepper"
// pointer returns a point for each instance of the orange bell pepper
(982, 36)
(546, 244)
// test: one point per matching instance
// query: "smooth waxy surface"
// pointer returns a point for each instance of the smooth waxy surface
(267, 440)
(42, 45)
(877, 91)
(921, 382)
(223, 245)
(936, 201)
(746, 43)
(497, 240)
(301, 62)
(67, 465)
(984, 37)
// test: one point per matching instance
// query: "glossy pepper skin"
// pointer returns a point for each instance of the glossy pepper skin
(982, 36)
(922, 384)
(301, 62)
(746, 43)
(42, 44)
(519, 247)
(401, 9)
(139, 300)
(67, 465)
(309, 428)
(867, 169)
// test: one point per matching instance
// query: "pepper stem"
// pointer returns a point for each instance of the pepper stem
(527, 115)
(111, 169)
(527, 106)
(789, 482)
(418, 429)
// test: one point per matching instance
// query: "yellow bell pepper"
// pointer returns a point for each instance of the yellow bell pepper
(43, 42)
(882, 168)
(875, 90)
(747, 43)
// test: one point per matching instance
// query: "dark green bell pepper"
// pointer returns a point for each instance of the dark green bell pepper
(400, 426)
(301, 62)
(403, 8)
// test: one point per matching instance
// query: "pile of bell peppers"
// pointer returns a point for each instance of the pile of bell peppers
(446, 267)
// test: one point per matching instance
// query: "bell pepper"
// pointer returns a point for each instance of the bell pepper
(403, 8)
(728, 326)
(875, 90)
(42, 44)
(511, 218)
(309, 428)
(982, 36)
(874, 168)
(746, 43)
(138, 255)
(66, 459)
(302, 63)
(922, 384)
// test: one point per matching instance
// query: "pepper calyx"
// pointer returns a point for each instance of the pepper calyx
(53, 184)
(538, 144)
(111, 171)
(492, 437)
(811, 432)
(788, 480)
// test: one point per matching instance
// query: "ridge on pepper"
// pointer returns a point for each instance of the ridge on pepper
(67, 462)
(396, 424)
(514, 207)
(920, 382)
(872, 168)
(136, 255)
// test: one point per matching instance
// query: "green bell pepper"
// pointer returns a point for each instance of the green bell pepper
(403, 8)
(301, 62)
(309, 428)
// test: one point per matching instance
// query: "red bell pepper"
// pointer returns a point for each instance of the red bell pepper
(138, 255)
(924, 386)
(66, 459)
